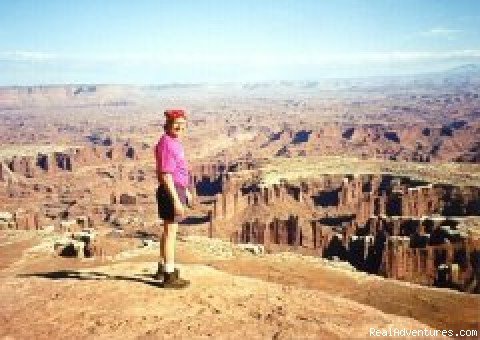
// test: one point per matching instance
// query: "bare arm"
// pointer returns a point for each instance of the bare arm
(189, 197)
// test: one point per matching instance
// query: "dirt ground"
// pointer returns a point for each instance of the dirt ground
(232, 295)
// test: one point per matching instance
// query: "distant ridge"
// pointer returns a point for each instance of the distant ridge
(464, 69)
(462, 73)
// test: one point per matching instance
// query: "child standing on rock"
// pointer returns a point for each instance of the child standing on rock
(172, 193)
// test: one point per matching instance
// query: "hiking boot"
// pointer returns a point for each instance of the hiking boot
(170, 281)
(161, 270)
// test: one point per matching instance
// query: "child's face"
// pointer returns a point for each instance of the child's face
(178, 127)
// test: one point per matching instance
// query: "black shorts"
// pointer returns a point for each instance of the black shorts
(166, 209)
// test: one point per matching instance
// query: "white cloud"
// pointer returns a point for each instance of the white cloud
(265, 59)
(26, 56)
(441, 32)
(251, 59)
(407, 56)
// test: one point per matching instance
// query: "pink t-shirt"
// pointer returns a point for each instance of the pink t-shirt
(170, 158)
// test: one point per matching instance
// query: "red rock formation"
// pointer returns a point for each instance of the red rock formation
(26, 220)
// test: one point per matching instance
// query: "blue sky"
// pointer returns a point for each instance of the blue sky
(152, 42)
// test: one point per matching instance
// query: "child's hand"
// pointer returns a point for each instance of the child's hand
(180, 209)
(189, 198)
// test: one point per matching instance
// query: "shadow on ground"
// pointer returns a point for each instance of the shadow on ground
(96, 276)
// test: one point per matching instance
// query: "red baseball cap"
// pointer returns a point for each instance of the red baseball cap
(172, 114)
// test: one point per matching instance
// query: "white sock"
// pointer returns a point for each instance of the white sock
(169, 267)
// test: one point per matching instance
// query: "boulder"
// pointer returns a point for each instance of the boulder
(255, 249)
(6, 216)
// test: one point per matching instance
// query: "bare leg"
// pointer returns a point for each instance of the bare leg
(162, 248)
(170, 234)
(171, 275)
